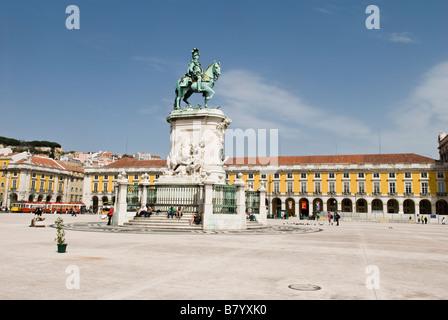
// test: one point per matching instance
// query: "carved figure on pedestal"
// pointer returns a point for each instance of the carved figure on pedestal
(220, 133)
(188, 161)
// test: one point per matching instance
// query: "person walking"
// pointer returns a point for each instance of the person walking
(336, 218)
(329, 217)
(110, 215)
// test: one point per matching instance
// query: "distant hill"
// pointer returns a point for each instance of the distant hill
(44, 147)
(9, 142)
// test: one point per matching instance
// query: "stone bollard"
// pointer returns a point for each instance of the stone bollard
(120, 212)
(144, 191)
(262, 216)
(241, 200)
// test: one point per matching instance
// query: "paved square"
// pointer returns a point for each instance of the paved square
(287, 261)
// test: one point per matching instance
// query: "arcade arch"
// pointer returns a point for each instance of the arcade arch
(290, 207)
(392, 206)
(408, 206)
(346, 205)
(425, 206)
(361, 205)
(442, 207)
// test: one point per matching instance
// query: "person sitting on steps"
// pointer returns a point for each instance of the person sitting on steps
(196, 219)
(179, 213)
(171, 212)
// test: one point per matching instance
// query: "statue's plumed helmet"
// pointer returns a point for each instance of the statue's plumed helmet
(194, 51)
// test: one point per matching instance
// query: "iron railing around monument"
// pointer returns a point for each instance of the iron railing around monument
(162, 197)
(133, 196)
(252, 202)
(224, 199)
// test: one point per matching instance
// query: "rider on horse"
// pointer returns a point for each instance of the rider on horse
(196, 80)
(195, 71)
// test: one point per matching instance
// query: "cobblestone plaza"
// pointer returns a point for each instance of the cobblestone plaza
(289, 260)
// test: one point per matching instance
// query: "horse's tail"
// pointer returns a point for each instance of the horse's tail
(175, 97)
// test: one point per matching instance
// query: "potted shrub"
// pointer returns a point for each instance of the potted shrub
(60, 235)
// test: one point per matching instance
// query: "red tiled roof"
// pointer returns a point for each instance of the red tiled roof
(8, 154)
(292, 160)
(44, 162)
(130, 162)
(333, 159)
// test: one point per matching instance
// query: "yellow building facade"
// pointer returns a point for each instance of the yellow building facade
(380, 184)
(401, 184)
(27, 178)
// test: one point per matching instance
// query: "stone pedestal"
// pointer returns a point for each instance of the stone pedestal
(144, 192)
(196, 147)
(262, 216)
(121, 208)
(225, 221)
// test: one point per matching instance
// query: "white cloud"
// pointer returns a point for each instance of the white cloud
(252, 102)
(323, 10)
(160, 64)
(402, 37)
(419, 118)
(411, 126)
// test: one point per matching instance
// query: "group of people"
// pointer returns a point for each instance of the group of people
(173, 212)
(424, 220)
(38, 212)
(335, 218)
(145, 211)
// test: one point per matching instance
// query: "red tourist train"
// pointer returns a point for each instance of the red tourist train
(48, 207)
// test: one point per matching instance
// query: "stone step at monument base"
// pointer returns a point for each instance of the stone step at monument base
(160, 221)
(254, 225)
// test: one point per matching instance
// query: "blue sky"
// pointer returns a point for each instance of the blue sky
(310, 69)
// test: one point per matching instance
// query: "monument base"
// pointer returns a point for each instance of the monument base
(196, 147)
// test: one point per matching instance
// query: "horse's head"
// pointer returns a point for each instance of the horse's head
(213, 71)
(216, 70)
